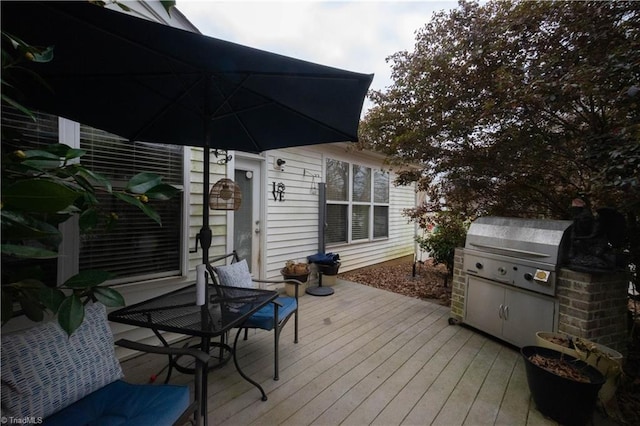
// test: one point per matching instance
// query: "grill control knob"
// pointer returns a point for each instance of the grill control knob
(528, 276)
(478, 265)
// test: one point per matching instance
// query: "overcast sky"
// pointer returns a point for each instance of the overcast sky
(354, 35)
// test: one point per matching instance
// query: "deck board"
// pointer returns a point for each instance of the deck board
(368, 356)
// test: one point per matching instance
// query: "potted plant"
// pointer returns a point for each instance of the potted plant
(563, 387)
(295, 271)
(560, 342)
(605, 360)
(602, 358)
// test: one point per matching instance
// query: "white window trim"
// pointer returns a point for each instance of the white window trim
(69, 250)
(349, 203)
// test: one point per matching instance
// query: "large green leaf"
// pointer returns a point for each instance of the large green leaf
(128, 199)
(39, 195)
(88, 220)
(144, 207)
(108, 296)
(18, 106)
(149, 211)
(162, 192)
(16, 225)
(87, 279)
(93, 178)
(74, 153)
(51, 298)
(71, 314)
(142, 182)
(27, 252)
(31, 307)
(58, 149)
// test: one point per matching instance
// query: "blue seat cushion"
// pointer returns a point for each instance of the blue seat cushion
(121, 403)
(264, 317)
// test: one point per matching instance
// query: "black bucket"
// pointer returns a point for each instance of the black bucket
(566, 401)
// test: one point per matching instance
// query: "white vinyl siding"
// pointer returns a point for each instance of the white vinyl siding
(292, 225)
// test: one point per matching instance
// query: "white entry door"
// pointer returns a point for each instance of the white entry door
(247, 229)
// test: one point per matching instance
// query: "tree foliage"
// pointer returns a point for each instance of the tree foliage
(517, 108)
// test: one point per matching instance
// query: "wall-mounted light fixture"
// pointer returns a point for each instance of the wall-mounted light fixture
(279, 165)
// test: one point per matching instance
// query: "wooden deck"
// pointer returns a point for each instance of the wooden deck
(368, 356)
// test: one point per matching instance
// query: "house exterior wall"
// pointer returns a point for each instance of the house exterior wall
(292, 225)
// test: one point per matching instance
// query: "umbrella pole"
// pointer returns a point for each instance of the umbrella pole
(205, 232)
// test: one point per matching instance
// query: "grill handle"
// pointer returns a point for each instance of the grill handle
(505, 249)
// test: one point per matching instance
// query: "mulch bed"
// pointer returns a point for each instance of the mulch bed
(397, 276)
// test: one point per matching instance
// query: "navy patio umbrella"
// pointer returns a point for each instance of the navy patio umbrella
(150, 82)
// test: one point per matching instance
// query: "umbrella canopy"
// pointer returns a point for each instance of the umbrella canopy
(150, 82)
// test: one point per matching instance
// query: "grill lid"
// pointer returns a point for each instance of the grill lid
(533, 239)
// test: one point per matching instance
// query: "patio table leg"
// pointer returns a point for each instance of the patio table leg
(244, 376)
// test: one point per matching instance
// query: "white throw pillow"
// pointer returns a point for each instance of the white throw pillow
(44, 370)
(235, 275)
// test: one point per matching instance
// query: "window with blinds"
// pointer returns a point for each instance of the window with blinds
(357, 202)
(20, 132)
(137, 247)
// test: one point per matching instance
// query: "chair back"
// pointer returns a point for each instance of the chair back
(211, 264)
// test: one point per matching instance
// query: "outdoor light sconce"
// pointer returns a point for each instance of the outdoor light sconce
(225, 157)
(280, 164)
(278, 191)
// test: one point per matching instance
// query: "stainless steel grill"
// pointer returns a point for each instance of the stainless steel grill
(525, 253)
(511, 268)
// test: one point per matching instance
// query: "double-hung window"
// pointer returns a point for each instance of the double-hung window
(137, 247)
(357, 202)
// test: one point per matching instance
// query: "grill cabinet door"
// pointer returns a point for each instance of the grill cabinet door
(526, 314)
(508, 313)
(483, 305)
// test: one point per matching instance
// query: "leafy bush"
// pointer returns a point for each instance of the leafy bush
(449, 232)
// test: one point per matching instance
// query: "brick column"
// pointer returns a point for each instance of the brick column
(458, 286)
(594, 306)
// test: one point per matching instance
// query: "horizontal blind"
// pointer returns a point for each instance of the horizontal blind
(137, 247)
(336, 231)
(360, 222)
(19, 132)
(380, 221)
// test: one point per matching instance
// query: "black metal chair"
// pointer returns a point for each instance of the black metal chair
(274, 316)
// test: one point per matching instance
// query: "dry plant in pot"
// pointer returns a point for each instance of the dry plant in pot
(603, 358)
(563, 387)
(296, 271)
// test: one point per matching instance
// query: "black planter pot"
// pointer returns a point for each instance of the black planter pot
(564, 400)
(329, 269)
